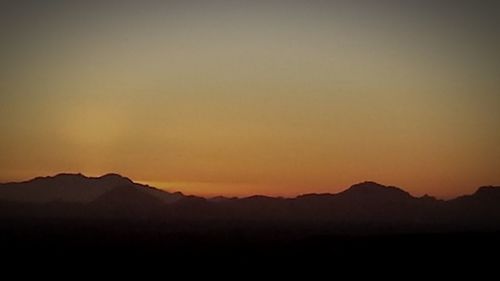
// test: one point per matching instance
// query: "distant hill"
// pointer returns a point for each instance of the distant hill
(75, 188)
(364, 204)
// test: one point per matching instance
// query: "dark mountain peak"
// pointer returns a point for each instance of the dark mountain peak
(79, 177)
(112, 176)
(371, 188)
(427, 197)
(315, 195)
(110, 179)
(217, 199)
(64, 187)
(81, 180)
(68, 175)
(115, 179)
(60, 176)
(191, 201)
(487, 190)
(255, 198)
(367, 185)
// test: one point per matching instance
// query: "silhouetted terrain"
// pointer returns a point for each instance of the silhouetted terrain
(111, 214)
(368, 204)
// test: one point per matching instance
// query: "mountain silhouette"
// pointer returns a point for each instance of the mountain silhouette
(367, 203)
(375, 191)
(111, 217)
(75, 188)
(478, 209)
(126, 201)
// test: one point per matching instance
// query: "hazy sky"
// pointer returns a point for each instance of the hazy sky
(244, 97)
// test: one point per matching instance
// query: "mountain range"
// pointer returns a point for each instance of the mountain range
(367, 203)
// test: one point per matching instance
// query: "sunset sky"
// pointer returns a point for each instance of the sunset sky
(246, 97)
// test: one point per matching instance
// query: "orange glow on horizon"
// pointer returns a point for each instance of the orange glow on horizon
(252, 98)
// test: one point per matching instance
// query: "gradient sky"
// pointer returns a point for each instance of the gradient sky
(244, 97)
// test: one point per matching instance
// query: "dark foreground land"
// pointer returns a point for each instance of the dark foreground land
(239, 242)
(79, 220)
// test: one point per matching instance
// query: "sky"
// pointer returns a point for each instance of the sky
(253, 97)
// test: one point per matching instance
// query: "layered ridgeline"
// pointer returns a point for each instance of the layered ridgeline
(364, 204)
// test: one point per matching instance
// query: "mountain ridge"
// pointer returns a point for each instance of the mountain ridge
(135, 220)
(111, 180)
(74, 187)
(362, 206)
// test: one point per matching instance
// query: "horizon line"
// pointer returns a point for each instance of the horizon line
(209, 196)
